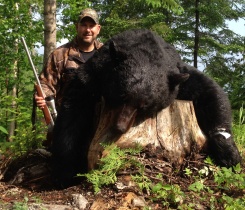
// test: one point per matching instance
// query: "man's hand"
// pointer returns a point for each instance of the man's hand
(40, 101)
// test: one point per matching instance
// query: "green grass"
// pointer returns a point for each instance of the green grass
(239, 131)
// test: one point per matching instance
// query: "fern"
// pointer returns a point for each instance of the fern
(116, 160)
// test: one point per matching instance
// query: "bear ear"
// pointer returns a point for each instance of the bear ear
(176, 79)
(115, 52)
(113, 49)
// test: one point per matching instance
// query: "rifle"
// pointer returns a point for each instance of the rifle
(48, 116)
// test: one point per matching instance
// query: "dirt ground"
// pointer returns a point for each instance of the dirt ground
(21, 187)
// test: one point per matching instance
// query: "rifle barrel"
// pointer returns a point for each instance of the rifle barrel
(30, 60)
(47, 115)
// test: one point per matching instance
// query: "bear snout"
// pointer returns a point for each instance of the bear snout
(125, 118)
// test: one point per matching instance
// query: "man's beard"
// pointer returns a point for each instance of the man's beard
(86, 42)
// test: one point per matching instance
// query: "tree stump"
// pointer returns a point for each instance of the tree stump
(175, 130)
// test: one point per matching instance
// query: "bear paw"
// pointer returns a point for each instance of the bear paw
(224, 149)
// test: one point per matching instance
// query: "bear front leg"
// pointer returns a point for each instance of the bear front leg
(72, 135)
(213, 112)
(68, 153)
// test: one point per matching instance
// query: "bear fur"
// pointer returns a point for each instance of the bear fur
(139, 73)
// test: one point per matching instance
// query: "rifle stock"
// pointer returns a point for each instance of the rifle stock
(45, 110)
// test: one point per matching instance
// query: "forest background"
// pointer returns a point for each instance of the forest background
(198, 29)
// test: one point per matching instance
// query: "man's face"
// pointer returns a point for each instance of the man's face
(87, 30)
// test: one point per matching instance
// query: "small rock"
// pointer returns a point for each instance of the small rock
(98, 204)
(43, 152)
(36, 206)
(138, 202)
(79, 201)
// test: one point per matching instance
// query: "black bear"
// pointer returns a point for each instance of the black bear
(138, 72)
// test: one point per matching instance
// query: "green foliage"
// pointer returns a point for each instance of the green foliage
(117, 16)
(21, 205)
(115, 160)
(229, 73)
(197, 186)
(16, 78)
(229, 180)
(238, 129)
(25, 137)
(2, 129)
(142, 181)
(118, 159)
(231, 203)
(169, 194)
(226, 179)
(171, 5)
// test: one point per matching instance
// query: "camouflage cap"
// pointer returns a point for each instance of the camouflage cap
(89, 13)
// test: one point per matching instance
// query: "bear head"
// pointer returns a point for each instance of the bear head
(137, 71)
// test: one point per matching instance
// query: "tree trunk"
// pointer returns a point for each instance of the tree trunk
(49, 28)
(174, 130)
(197, 22)
(12, 114)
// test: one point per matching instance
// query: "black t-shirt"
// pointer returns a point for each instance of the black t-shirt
(87, 55)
